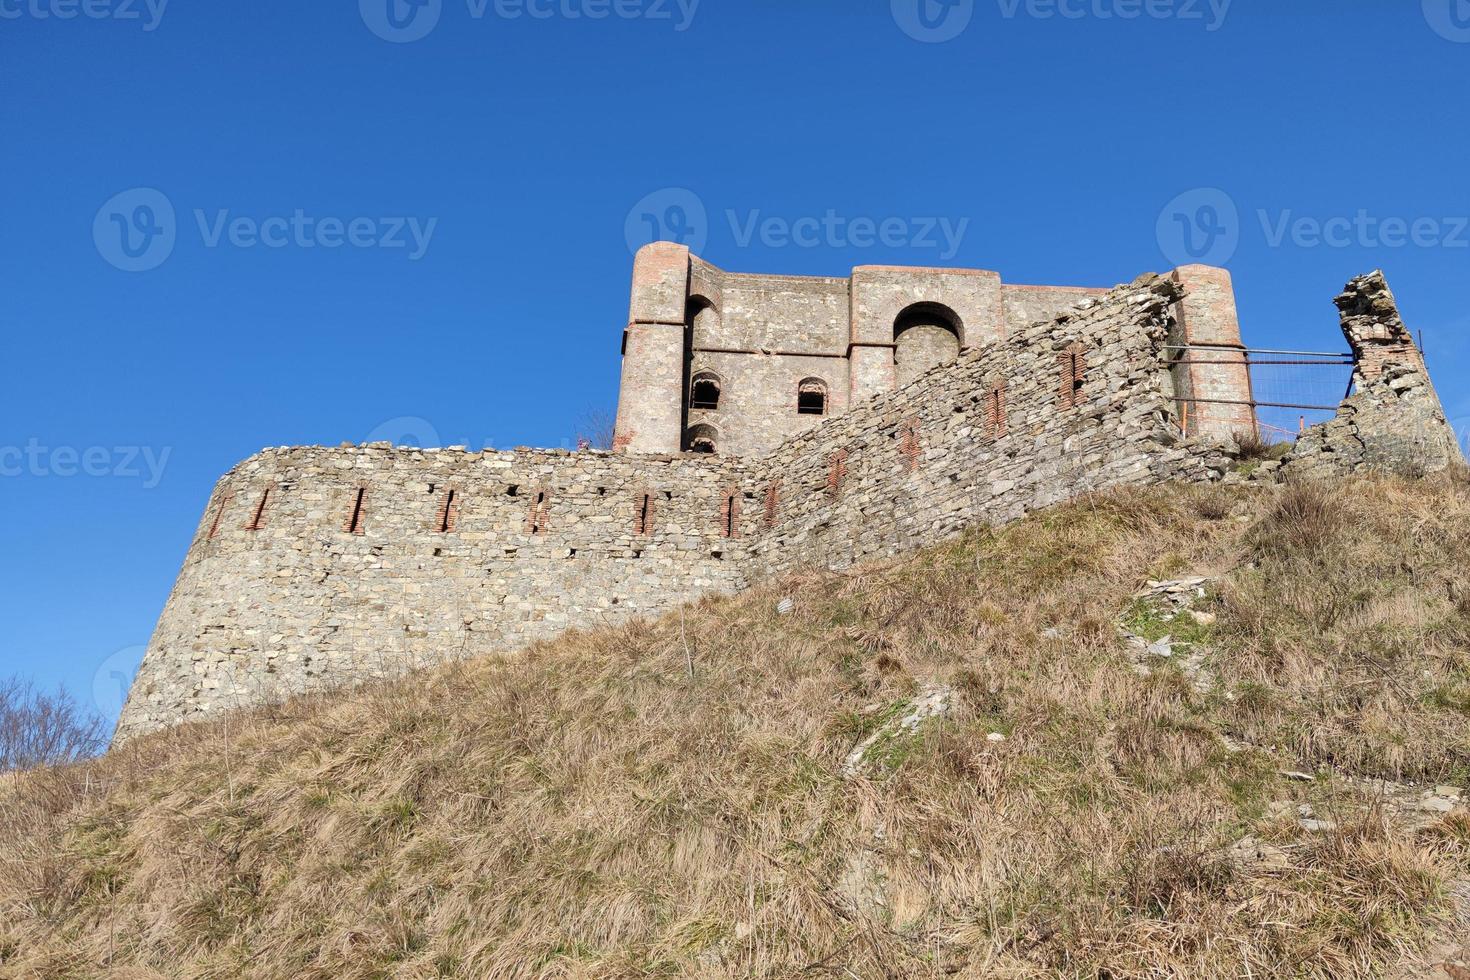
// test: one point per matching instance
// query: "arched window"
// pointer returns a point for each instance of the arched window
(811, 397)
(925, 335)
(702, 439)
(704, 391)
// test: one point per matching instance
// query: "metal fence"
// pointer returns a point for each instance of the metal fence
(1290, 389)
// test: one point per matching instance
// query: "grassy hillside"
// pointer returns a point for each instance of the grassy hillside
(1038, 795)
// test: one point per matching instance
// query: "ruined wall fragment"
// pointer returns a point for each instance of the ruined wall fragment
(1393, 421)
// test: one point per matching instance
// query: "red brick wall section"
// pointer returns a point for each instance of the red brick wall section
(539, 518)
(1221, 384)
(995, 411)
(730, 514)
(908, 444)
(257, 514)
(773, 503)
(836, 472)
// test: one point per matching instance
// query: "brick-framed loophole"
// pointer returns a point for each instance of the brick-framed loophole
(257, 515)
(219, 513)
(643, 513)
(995, 410)
(1073, 375)
(539, 517)
(448, 512)
(836, 472)
(773, 503)
(356, 522)
(909, 447)
(730, 514)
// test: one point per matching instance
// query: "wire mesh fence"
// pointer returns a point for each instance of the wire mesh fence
(1289, 390)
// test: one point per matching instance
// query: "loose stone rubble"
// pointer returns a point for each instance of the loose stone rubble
(1169, 601)
(931, 702)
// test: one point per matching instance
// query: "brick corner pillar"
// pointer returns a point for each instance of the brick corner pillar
(651, 395)
(1213, 383)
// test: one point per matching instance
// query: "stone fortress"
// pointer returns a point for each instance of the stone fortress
(765, 424)
(732, 363)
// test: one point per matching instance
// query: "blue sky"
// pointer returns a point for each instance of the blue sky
(415, 222)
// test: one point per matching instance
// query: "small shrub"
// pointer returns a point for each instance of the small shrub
(1304, 521)
(1213, 504)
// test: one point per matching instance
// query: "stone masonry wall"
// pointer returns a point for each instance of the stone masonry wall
(283, 591)
(764, 335)
(318, 567)
(1007, 429)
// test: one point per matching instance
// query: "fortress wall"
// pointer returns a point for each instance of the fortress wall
(783, 314)
(769, 334)
(315, 591)
(1025, 305)
(758, 397)
(304, 601)
(915, 466)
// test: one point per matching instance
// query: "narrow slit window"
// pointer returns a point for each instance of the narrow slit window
(540, 512)
(644, 521)
(357, 520)
(730, 516)
(908, 445)
(995, 411)
(1074, 375)
(257, 517)
(219, 514)
(836, 472)
(450, 512)
(773, 503)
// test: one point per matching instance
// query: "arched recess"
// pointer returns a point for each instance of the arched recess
(702, 438)
(811, 397)
(705, 391)
(703, 318)
(925, 335)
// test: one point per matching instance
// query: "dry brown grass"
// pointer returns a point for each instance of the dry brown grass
(590, 810)
(1251, 446)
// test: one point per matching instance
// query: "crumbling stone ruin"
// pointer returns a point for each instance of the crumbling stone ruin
(849, 419)
(1393, 420)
